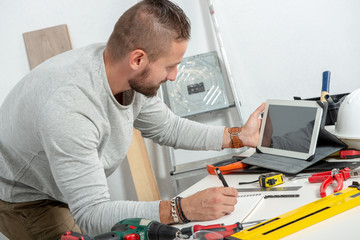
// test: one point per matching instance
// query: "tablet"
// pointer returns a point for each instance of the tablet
(290, 128)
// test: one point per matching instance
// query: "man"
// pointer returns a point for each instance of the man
(67, 125)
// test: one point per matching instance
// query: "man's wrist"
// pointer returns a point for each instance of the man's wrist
(165, 212)
(235, 141)
(172, 211)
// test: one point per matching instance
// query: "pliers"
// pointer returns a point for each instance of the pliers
(328, 177)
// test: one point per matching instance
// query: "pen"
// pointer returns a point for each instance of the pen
(221, 177)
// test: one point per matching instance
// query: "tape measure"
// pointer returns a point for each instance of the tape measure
(268, 179)
(271, 179)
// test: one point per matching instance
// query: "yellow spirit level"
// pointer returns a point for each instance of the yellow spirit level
(304, 216)
(271, 179)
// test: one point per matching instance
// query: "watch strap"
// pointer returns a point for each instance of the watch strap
(234, 137)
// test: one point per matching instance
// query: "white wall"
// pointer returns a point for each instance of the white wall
(279, 48)
(276, 49)
(88, 21)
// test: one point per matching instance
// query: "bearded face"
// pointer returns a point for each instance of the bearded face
(141, 84)
(158, 71)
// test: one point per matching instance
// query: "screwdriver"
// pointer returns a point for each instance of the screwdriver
(225, 231)
(325, 86)
(349, 153)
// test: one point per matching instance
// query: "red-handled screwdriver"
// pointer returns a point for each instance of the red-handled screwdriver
(219, 228)
(225, 231)
(349, 153)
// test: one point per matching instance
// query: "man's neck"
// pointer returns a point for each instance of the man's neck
(116, 74)
(125, 98)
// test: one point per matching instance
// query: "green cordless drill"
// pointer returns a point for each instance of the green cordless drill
(131, 229)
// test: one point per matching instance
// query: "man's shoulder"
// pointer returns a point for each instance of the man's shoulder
(92, 49)
(82, 54)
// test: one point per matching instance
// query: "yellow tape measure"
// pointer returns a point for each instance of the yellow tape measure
(271, 179)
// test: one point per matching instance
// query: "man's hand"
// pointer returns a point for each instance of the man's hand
(250, 132)
(209, 204)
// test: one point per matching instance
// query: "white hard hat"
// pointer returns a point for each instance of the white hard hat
(347, 126)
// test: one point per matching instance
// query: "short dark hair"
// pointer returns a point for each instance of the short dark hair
(150, 25)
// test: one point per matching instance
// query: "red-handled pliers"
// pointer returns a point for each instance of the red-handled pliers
(327, 178)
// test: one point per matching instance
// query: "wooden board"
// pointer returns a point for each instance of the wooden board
(141, 170)
(46, 43)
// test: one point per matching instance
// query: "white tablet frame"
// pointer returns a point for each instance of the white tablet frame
(315, 133)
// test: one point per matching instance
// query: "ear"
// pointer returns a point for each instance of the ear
(138, 59)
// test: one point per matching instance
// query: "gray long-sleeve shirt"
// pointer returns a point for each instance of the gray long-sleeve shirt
(62, 133)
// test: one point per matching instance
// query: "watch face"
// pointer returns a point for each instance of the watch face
(199, 86)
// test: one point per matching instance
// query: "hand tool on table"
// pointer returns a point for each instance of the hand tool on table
(325, 86)
(225, 231)
(349, 153)
(227, 166)
(272, 189)
(328, 177)
(271, 179)
(268, 179)
(137, 228)
(131, 229)
(282, 196)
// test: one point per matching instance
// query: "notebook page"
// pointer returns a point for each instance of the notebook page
(245, 206)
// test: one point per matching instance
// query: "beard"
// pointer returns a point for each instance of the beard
(137, 84)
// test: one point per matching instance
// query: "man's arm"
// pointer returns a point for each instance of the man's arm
(213, 203)
(158, 123)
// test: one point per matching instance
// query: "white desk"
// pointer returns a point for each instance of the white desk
(341, 226)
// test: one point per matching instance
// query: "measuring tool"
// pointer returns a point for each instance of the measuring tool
(268, 179)
(282, 196)
(304, 216)
(271, 179)
(292, 188)
(227, 166)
